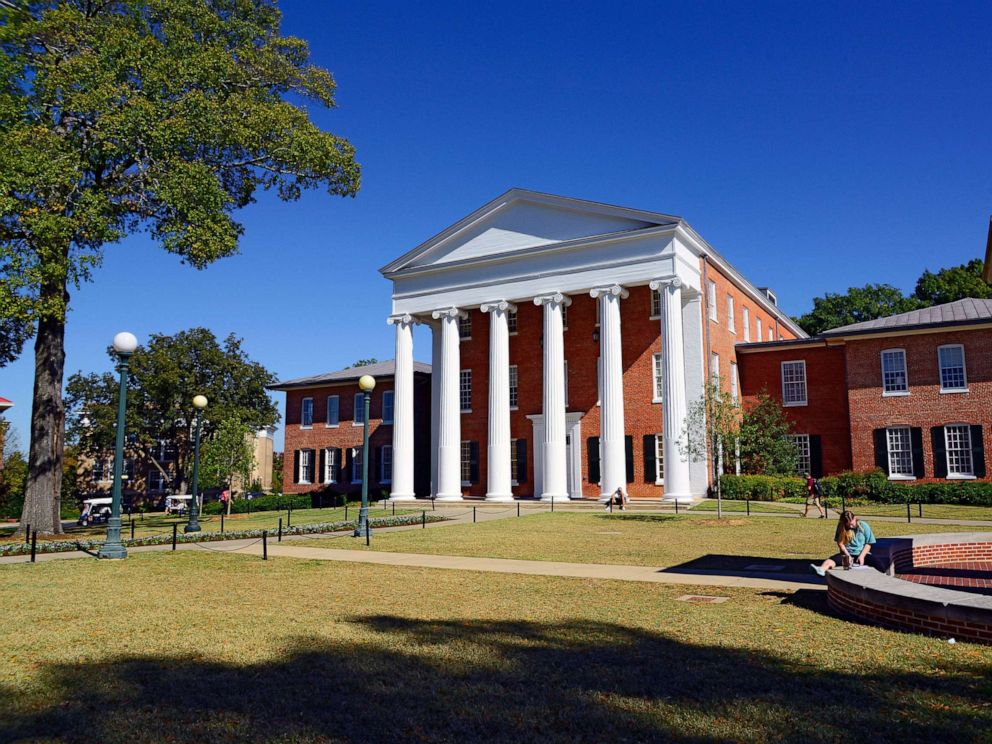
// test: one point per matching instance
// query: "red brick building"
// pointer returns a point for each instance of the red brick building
(324, 426)
(910, 394)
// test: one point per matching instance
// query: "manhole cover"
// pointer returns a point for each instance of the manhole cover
(702, 599)
(764, 567)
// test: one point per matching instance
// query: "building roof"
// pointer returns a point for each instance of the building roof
(962, 312)
(378, 370)
(5, 404)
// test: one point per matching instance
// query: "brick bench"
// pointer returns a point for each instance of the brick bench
(879, 597)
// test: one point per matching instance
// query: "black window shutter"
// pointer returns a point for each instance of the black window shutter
(349, 459)
(322, 465)
(473, 462)
(939, 452)
(592, 454)
(296, 466)
(628, 450)
(916, 442)
(881, 450)
(977, 451)
(650, 461)
(313, 465)
(815, 455)
(521, 461)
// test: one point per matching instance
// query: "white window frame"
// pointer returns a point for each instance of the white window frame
(156, 481)
(356, 465)
(771, 334)
(657, 378)
(659, 460)
(564, 315)
(903, 437)
(390, 406)
(715, 370)
(731, 321)
(514, 463)
(959, 474)
(332, 468)
(565, 378)
(511, 322)
(465, 463)
(804, 454)
(303, 412)
(304, 464)
(655, 304)
(734, 384)
(465, 391)
(760, 329)
(386, 458)
(894, 353)
(328, 424)
(711, 301)
(359, 417)
(964, 369)
(465, 327)
(514, 380)
(805, 385)
(746, 320)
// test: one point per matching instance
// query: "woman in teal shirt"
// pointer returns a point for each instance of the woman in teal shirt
(854, 538)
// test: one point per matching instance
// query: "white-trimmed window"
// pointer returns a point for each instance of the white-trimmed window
(899, 442)
(599, 380)
(794, 383)
(511, 321)
(771, 334)
(386, 464)
(565, 378)
(333, 410)
(356, 464)
(306, 413)
(514, 386)
(655, 303)
(465, 390)
(953, 377)
(514, 463)
(746, 320)
(803, 459)
(730, 314)
(659, 460)
(465, 326)
(156, 481)
(734, 393)
(332, 465)
(711, 299)
(715, 370)
(466, 463)
(388, 396)
(564, 315)
(657, 374)
(760, 330)
(894, 380)
(359, 418)
(957, 438)
(306, 466)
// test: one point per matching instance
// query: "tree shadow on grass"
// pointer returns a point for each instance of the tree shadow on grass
(471, 680)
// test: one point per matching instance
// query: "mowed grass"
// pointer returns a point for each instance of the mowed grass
(198, 647)
(161, 524)
(629, 538)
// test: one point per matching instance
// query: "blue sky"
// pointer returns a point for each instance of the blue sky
(816, 146)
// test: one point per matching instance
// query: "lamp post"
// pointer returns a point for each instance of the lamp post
(124, 345)
(366, 384)
(193, 525)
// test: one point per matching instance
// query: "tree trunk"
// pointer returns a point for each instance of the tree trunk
(42, 500)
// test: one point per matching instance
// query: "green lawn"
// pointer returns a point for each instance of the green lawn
(738, 507)
(631, 538)
(231, 648)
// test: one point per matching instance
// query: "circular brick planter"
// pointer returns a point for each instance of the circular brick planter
(909, 591)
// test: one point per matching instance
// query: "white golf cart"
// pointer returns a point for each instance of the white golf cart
(95, 511)
(177, 504)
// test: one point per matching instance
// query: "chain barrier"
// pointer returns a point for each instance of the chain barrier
(203, 546)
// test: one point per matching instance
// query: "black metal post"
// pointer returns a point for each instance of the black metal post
(843, 503)
(132, 528)
(113, 548)
(676, 506)
(909, 516)
(611, 503)
(34, 544)
(368, 534)
(174, 528)
(473, 515)
(552, 504)
(518, 508)
(27, 533)
(280, 530)
(747, 503)
(433, 504)
(222, 522)
(394, 508)
(423, 519)
(345, 511)
(265, 545)
(289, 516)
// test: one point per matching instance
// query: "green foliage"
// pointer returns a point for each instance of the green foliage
(952, 284)
(275, 502)
(858, 304)
(277, 466)
(227, 454)
(764, 447)
(365, 362)
(763, 487)
(13, 481)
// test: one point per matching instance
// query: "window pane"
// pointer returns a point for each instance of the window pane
(952, 376)
(511, 321)
(387, 406)
(465, 327)
(466, 462)
(793, 382)
(306, 415)
(356, 465)
(659, 383)
(465, 390)
(387, 464)
(894, 371)
(514, 465)
(359, 409)
(958, 439)
(659, 458)
(513, 386)
(655, 302)
(802, 452)
(333, 410)
(900, 451)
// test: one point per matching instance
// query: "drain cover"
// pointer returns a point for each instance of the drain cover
(702, 599)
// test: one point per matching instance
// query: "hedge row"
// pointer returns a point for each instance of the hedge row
(870, 486)
(64, 546)
(276, 502)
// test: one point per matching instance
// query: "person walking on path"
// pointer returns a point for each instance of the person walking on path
(854, 538)
(813, 493)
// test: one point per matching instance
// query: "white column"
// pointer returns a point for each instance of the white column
(402, 485)
(449, 450)
(613, 468)
(674, 407)
(498, 468)
(695, 377)
(435, 400)
(555, 485)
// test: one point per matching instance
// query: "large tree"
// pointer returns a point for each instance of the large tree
(857, 305)
(165, 375)
(952, 284)
(119, 116)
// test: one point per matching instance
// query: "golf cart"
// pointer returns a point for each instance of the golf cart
(178, 504)
(95, 511)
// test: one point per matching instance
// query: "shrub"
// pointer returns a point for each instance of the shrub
(276, 502)
(762, 487)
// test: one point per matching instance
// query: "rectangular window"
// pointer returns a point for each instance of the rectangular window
(333, 410)
(465, 390)
(465, 326)
(564, 315)
(306, 413)
(757, 336)
(599, 380)
(356, 464)
(746, 320)
(730, 314)
(803, 461)
(332, 466)
(128, 470)
(387, 406)
(659, 459)
(958, 440)
(715, 370)
(655, 303)
(794, 383)
(96, 472)
(386, 464)
(513, 386)
(511, 321)
(659, 382)
(952, 372)
(733, 382)
(359, 417)
(894, 372)
(156, 481)
(514, 463)
(771, 335)
(165, 451)
(900, 448)
(565, 378)
(466, 463)
(306, 466)
(711, 299)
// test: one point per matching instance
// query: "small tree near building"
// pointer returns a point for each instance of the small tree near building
(226, 455)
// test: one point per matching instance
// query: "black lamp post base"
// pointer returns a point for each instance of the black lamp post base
(113, 551)
(192, 527)
(363, 520)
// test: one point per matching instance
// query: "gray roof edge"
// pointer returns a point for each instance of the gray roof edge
(903, 322)
(385, 368)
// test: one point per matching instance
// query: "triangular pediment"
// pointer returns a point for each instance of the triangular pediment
(521, 220)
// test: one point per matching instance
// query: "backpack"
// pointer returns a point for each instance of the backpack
(817, 488)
